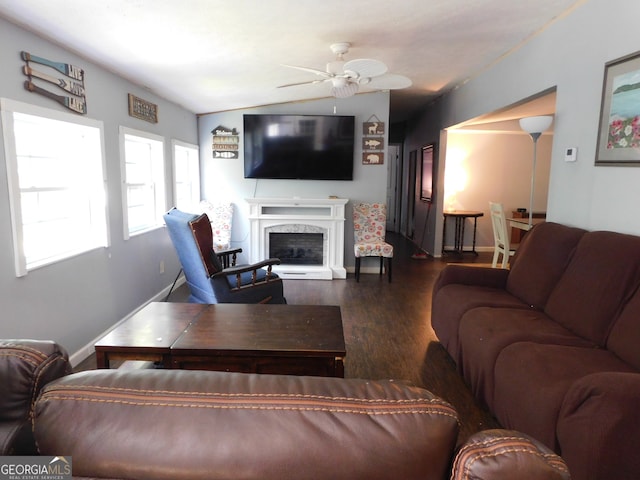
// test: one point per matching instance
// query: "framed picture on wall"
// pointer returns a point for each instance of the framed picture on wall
(619, 129)
(426, 177)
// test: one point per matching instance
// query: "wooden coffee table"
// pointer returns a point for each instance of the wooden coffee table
(277, 339)
(148, 334)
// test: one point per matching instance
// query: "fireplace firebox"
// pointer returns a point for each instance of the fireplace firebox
(296, 248)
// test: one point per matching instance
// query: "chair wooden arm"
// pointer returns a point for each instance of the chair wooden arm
(254, 267)
(228, 257)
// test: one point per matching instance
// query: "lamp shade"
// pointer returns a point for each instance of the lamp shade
(536, 124)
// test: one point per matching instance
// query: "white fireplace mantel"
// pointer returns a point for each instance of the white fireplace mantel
(327, 214)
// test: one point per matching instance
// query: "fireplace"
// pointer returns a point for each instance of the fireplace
(296, 248)
(307, 235)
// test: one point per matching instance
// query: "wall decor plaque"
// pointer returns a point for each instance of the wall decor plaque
(226, 142)
(372, 158)
(143, 110)
(373, 128)
(73, 84)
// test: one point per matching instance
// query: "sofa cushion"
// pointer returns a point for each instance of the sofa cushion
(453, 300)
(532, 379)
(540, 261)
(601, 277)
(178, 424)
(598, 427)
(484, 332)
(624, 339)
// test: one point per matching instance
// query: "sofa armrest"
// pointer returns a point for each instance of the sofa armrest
(177, 424)
(468, 275)
(505, 455)
(598, 427)
(25, 367)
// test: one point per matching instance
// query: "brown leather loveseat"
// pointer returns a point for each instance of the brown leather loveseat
(178, 424)
(551, 345)
(25, 367)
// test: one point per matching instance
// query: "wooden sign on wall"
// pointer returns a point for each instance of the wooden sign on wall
(226, 142)
(373, 142)
(142, 109)
(73, 84)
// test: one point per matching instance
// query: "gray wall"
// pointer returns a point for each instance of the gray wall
(75, 300)
(223, 179)
(569, 55)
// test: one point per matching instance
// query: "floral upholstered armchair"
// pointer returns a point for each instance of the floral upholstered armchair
(369, 227)
(221, 216)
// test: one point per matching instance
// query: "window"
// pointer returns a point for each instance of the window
(56, 180)
(142, 157)
(186, 176)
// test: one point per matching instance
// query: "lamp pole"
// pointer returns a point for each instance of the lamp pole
(534, 126)
(534, 137)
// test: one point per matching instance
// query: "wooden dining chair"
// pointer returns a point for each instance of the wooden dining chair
(502, 244)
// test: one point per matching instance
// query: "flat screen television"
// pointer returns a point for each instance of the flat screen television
(305, 147)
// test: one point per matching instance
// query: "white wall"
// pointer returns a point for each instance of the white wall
(569, 55)
(223, 179)
(75, 300)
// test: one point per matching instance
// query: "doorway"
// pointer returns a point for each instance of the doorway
(394, 187)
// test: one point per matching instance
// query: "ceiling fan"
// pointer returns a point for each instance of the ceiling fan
(347, 77)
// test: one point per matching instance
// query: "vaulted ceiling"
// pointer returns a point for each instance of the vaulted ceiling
(211, 56)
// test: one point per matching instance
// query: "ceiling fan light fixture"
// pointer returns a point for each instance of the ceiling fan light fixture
(339, 82)
(345, 91)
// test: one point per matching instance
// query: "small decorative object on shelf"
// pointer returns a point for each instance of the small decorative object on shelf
(225, 142)
(77, 101)
(143, 110)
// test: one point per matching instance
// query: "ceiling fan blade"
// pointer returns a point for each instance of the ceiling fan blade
(390, 81)
(365, 67)
(300, 83)
(310, 70)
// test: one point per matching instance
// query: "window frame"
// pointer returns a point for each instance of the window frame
(99, 212)
(194, 179)
(159, 182)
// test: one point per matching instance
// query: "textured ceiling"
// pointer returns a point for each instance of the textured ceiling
(210, 55)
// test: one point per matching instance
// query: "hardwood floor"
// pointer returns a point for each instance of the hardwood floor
(387, 328)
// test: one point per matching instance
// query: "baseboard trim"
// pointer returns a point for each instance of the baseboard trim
(83, 353)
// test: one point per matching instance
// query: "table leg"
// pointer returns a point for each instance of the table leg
(444, 233)
(475, 229)
(102, 360)
(339, 370)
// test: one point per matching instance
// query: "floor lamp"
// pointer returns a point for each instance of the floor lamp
(534, 126)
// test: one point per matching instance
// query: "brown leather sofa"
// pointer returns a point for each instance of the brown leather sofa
(25, 367)
(178, 424)
(551, 345)
(173, 424)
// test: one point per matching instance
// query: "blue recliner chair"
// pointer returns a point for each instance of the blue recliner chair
(208, 281)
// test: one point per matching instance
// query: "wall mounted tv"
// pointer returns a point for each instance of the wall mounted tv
(305, 147)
